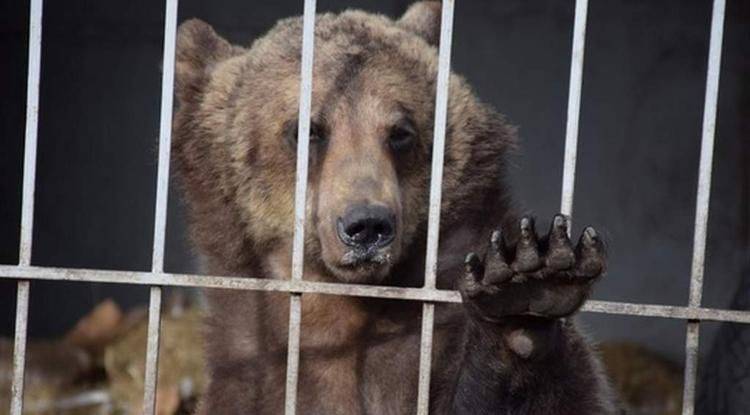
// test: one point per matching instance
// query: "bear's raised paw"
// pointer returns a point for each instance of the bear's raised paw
(543, 277)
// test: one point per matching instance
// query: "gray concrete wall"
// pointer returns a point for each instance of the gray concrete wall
(641, 117)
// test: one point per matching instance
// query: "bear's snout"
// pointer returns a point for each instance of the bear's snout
(367, 228)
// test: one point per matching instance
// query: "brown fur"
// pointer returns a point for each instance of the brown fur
(236, 106)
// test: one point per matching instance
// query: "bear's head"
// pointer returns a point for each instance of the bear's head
(373, 103)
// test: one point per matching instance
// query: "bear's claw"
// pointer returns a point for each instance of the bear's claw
(545, 277)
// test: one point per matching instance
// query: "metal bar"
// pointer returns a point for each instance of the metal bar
(691, 367)
(438, 146)
(574, 107)
(27, 204)
(436, 183)
(707, 152)
(352, 290)
(702, 202)
(152, 351)
(300, 200)
(292, 362)
(160, 210)
(19, 348)
(32, 121)
(165, 135)
(226, 282)
(425, 358)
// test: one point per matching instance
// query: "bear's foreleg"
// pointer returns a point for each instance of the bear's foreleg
(519, 353)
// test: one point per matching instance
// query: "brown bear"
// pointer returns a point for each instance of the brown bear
(509, 348)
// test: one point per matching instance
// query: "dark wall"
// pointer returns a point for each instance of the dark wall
(644, 81)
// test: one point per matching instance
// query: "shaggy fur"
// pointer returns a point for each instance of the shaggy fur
(371, 143)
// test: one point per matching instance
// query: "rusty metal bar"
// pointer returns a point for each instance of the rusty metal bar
(27, 204)
(436, 183)
(574, 107)
(160, 210)
(300, 200)
(702, 202)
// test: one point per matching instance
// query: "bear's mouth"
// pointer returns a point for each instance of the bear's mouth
(372, 256)
(363, 265)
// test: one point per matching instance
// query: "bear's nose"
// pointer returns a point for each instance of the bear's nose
(367, 227)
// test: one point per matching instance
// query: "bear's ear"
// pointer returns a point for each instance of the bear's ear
(198, 49)
(423, 18)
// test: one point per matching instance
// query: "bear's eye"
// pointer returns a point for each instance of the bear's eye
(317, 133)
(402, 135)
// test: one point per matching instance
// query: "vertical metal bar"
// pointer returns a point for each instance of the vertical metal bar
(292, 359)
(425, 358)
(19, 348)
(160, 214)
(32, 121)
(691, 367)
(436, 183)
(27, 208)
(300, 195)
(574, 107)
(438, 146)
(152, 352)
(702, 202)
(707, 152)
(165, 136)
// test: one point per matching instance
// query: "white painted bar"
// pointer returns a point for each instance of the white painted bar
(691, 367)
(702, 202)
(12, 272)
(160, 210)
(27, 204)
(152, 351)
(32, 125)
(574, 107)
(436, 187)
(165, 135)
(19, 348)
(707, 153)
(300, 200)
(425, 358)
(438, 146)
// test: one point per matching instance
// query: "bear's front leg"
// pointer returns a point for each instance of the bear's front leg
(520, 356)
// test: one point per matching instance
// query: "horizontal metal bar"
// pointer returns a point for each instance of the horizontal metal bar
(354, 290)
(240, 283)
(667, 311)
